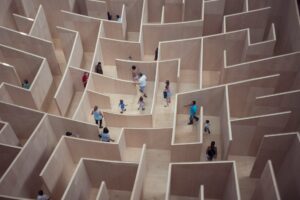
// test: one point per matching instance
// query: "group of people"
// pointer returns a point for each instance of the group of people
(98, 117)
(211, 152)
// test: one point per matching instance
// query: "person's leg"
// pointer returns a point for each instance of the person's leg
(196, 118)
(96, 121)
(205, 129)
(208, 130)
(100, 123)
(190, 120)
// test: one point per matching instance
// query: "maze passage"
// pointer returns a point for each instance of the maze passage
(149, 99)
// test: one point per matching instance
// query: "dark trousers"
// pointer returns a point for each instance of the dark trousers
(100, 122)
(206, 130)
(193, 117)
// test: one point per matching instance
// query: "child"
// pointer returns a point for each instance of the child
(98, 116)
(122, 106)
(85, 78)
(167, 93)
(135, 73)
(26, 84)
(207, 127)
(104, 135)
(99, 68)
(141, 103)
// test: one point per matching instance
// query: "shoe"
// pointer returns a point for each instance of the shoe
(197, 119)
(190, 123)
(121, 112)
(124, 110)
(145, 96)
(101, 126)
(143, 108)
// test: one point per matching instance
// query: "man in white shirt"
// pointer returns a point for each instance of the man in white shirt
(142, 81)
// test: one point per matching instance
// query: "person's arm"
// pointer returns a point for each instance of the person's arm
(216, 152)
(92, 112)
(207, 150)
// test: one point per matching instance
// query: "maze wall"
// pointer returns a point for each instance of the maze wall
(238, 59)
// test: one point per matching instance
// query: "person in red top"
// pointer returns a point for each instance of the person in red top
(85, 78)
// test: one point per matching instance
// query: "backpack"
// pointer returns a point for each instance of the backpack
(165, 94)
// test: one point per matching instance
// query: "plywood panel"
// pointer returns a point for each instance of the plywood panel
(7, 155)
(134, 121)
(121, 49)
(124, 69)
(40, 27)
(187, 50)
(104, 84)
(31, 45)
(154, 33)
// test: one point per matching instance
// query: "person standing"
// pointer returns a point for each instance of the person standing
(207, 126)
(98, 116)
(156, 54)
(98, 68)
(122, 106)
(211, 151)
(109, 16)
(85, 78)
(142, 81)
(135, 73)
(193, 111)
(141, 103)
(167, 93)
(26, 84)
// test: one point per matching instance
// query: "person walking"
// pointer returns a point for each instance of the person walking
(142, 81)
(85, 78)
(211, 151)
(98, 116)
(122, 106)
(207, 127)
(167, 93)
(192, 112)
(141, 103)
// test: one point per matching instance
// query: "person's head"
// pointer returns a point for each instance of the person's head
(41, 193)
(194, 102)
(26, 81)
(133, 67)
(118, 16)
(95, 108)
(207, 121)
(85, 74)
(167, 82)
(212, 143)
(68, 133)
(105, 130)
(130, 57)
(141, 98)
(121, 101)
(140, 74)
(99, 63)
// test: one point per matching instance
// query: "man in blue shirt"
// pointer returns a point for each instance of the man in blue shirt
(193, 112)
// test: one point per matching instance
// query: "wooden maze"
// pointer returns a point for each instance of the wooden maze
(238, 59)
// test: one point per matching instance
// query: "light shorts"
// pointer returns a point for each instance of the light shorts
(142, 88)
